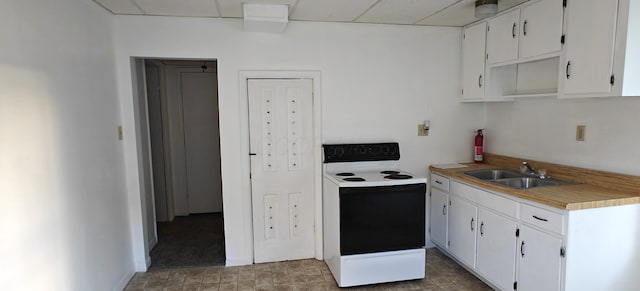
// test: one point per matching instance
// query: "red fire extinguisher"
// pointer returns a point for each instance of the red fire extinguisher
(478, 156)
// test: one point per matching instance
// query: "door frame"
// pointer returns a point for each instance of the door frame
(314, 76)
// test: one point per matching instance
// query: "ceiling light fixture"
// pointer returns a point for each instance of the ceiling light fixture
(486, 8)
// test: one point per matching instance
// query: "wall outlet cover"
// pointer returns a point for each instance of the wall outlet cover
(422, 131)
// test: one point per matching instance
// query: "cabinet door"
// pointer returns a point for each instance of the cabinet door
(496, 258)
(473, 56)
(590, 37)
(502, 38)
(541, 24)
(463, 221)
(438, 213)
(539, 260)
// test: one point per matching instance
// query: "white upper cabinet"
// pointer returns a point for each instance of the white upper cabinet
(589, 39)
(525, 33)
(502, 37)
(602, 40)
(541, 28)
(473, 57)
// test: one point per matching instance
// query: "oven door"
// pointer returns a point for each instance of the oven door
(382, 218)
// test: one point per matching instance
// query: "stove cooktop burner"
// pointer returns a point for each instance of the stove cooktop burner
(398, 177)
(345, 174)
(389, 172)
(354, 179)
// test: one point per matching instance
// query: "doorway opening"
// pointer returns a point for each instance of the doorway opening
(184, 157)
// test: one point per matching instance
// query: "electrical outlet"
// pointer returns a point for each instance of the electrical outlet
(580, 132)
(422, 131)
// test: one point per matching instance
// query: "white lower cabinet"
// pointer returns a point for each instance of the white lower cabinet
(438, 213)
(516, 244)
(496, 256)
(539, 260)
(463, 220)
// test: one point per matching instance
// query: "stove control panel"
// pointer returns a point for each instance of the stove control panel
(362, 152)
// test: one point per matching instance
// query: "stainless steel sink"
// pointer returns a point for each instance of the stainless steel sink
(513, 179)
(494, 174)
(526, 183)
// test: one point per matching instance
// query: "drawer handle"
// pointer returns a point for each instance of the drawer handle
(472, 224)
(522, 249)
(513, 30)
(524, 28)
(443, 209)
(482, 228)
(567, 70)
(541, 219)
(438, 182)
(480, 81)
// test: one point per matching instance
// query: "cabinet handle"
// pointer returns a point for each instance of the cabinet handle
(541, 219)
(513, 30)
(524, 28)
(438, 182)
(444, 209)
(472, 224)
(480, 81)
(568, 67)
(522, 249)
(482, 228)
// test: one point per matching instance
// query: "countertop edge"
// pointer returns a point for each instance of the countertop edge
(555, 196)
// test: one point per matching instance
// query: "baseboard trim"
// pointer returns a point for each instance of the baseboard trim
(124, 281)
(238, 262)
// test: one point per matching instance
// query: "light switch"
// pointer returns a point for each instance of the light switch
(119, 132)
(580, 132)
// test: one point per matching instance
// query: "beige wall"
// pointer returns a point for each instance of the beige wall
(545, 130)
(63, 217)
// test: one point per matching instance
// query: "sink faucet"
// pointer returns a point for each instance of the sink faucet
(525, 166)
(528, 169)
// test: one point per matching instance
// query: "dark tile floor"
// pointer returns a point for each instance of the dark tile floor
(442, 274)
(196, 240)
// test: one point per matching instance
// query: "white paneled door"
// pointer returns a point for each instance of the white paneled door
(281, 145)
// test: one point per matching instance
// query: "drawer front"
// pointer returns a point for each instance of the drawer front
(489, 200)
(543, 218)
(440, 182)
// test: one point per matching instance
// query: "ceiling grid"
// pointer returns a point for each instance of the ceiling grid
(404, 12)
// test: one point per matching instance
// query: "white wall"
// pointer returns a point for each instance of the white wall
(63, 217)
(378, 83)
(545, 130)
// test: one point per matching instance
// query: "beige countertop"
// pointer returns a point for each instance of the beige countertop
(569, 197)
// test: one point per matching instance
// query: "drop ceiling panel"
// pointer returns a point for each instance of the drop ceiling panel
(403, 11)
(120, 6)
(195, 8)
(462, 13)
(330, 10)
(233, 8)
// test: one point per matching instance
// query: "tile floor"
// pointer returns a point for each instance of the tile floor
(196, 240)
(442, 274)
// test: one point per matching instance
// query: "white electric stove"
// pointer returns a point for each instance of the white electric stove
(374, 215)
